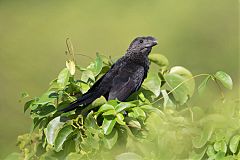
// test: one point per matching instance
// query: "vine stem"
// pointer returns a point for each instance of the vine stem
(199, 75)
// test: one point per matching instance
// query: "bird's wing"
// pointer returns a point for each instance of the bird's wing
(127, 81)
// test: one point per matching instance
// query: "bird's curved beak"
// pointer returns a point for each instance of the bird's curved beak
(154, 42)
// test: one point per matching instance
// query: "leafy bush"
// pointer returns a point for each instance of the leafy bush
(154, 123)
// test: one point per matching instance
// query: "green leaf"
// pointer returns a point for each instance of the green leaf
(90, 121)
(152, 83)
(132, 122)
(96, 66)
(147, 108)
(179, 89)
(120, 118)
(111, 139)
(61, 137)
(220, 156)
(203, 85)
(128, 156)
(139, 113)
(108, 125)
(27, 105)
(36, 122)
(224, 78)
(104, 108)
(187, 75)
(123, 106)
(63, 77)
(142, 97)
(45, 110)
(200, 141)
(114, 103)
(45, 98)
(99, 101)
(234, 143)
(210, 151)
(110, 112)
(84, 87)
(159, 59)
(220, 146)
(54, 85)
(86, 75)
(52, 129)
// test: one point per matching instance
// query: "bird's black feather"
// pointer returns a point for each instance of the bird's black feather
(124, 77)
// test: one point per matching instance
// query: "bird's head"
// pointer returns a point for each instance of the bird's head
(142, 45)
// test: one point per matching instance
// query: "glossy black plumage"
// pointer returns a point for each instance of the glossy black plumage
(124, 77)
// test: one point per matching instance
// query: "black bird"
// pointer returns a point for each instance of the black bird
(124, 77)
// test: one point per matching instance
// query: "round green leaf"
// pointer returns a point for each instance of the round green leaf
(159, 59)
(186, 74)
(234, 143)
(220, 146)
(224, 78)
(61, 137)
(180, 90)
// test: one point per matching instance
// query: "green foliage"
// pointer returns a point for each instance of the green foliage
(154, 123)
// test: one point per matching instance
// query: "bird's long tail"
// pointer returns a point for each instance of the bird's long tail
(85, 100)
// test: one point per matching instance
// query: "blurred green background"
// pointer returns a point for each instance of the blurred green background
(201, 35)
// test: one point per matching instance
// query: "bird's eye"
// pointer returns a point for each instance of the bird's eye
(141, 41)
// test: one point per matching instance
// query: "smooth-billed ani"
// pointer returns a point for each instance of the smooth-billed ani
(124, 77)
